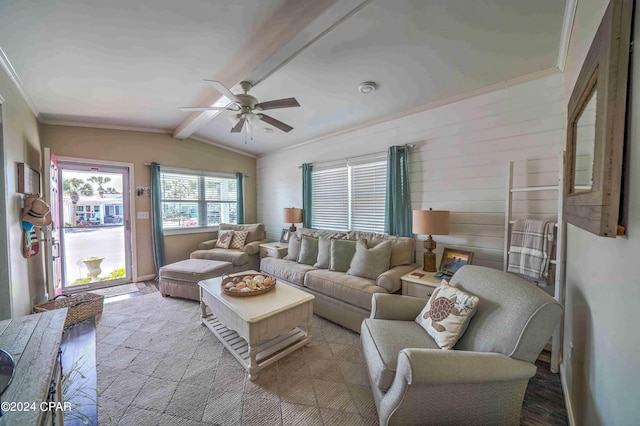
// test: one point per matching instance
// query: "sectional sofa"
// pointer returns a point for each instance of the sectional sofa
(343, 296)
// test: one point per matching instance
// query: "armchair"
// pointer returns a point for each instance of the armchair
(241, 260)
(481, 381)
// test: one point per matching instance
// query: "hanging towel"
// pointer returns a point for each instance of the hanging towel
(531, 244)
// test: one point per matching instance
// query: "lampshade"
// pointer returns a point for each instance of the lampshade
(431, 222)
(292, 215)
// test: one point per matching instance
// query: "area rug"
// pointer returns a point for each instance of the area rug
(156, 364)
(117, 290)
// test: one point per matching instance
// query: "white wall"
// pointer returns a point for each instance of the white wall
(21, 280)
(603, 284)
(459, 162)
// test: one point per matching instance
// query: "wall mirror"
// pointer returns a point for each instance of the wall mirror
(585, 145)
(596, 126)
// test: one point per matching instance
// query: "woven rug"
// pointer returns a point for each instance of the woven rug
(117, 290)
(157, 365)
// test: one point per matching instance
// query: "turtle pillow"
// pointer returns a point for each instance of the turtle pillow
(447, 314)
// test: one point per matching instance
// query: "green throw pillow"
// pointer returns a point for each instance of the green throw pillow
(294, 248)
(324, 253)
(308, 250)
(342, 252)
(370, 262)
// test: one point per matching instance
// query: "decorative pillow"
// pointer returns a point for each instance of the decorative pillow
(294, 248)
(324, 253)
(239, 237)
(370, 262)
(224, 239)
(447, 314)
(340, 255)
(308, 250)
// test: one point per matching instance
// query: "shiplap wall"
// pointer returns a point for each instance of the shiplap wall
(459, 163)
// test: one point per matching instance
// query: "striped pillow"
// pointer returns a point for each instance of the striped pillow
(239, 237)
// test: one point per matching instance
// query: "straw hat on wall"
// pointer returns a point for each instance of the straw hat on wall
(36, 211)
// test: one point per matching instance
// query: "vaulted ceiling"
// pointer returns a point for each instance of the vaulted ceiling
(132, 64)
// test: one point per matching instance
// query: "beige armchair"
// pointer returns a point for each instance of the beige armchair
(241, 260)
(483, 380)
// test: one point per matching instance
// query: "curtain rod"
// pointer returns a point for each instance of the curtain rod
(195, 170)
(408, 145)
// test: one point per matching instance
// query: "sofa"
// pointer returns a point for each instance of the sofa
(484, 379)
(342, 296)
(241, 259)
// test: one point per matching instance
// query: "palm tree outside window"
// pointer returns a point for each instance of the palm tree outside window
(74, 188)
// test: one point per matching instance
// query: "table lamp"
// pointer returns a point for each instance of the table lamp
(430, 222)
(292, 215)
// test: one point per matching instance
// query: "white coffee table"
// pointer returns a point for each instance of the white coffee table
(257, 330)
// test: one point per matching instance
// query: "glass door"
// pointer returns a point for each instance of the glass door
(96, 237)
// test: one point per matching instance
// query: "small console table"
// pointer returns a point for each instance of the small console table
(419, 283)
(276, 249)
(36, 388)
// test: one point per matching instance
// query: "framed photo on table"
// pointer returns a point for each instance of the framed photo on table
(284, 236)
(454, 259)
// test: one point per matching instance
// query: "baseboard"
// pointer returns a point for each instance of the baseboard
(567, 399)
(143, 278)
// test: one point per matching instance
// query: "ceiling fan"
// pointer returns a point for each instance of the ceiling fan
(248, 107)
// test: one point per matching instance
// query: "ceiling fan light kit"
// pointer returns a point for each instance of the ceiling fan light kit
(247, 107)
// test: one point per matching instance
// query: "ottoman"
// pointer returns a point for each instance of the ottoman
(181, 278)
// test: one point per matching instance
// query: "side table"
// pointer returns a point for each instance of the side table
(275, 249)
(419, 286)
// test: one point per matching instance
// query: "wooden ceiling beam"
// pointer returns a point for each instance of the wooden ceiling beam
(290, 30)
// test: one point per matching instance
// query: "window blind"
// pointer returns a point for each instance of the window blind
(350, 196)
(330, 198)
(368, 190)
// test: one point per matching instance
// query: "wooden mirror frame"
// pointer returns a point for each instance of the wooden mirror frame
(605, 69)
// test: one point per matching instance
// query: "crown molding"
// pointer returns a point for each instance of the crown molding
(11, 72)
(219, 145)
(138, 129)
(432, 105)
(565, 35)
(103, 126)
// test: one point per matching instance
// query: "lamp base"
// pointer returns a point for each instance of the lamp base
(429, 262)
(429, 259)
(292, 228)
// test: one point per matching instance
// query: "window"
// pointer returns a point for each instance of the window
(191, 199)
(349, 196)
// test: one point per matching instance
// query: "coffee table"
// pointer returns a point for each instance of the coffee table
(257, 330)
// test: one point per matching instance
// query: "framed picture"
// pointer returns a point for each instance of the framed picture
(284, 236)
(454, 259)
(28, 180)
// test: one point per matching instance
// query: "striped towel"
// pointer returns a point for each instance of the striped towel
(531, 244)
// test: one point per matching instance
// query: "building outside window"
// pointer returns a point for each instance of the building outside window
(197, 199)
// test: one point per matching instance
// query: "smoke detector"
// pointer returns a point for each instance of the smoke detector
(367, 87)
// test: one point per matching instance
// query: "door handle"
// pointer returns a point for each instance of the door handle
(55, 250)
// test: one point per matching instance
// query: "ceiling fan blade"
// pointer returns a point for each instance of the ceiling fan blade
(223, 90)
(192, 109)
(238, 127)
(275, 123)
(279, 103)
